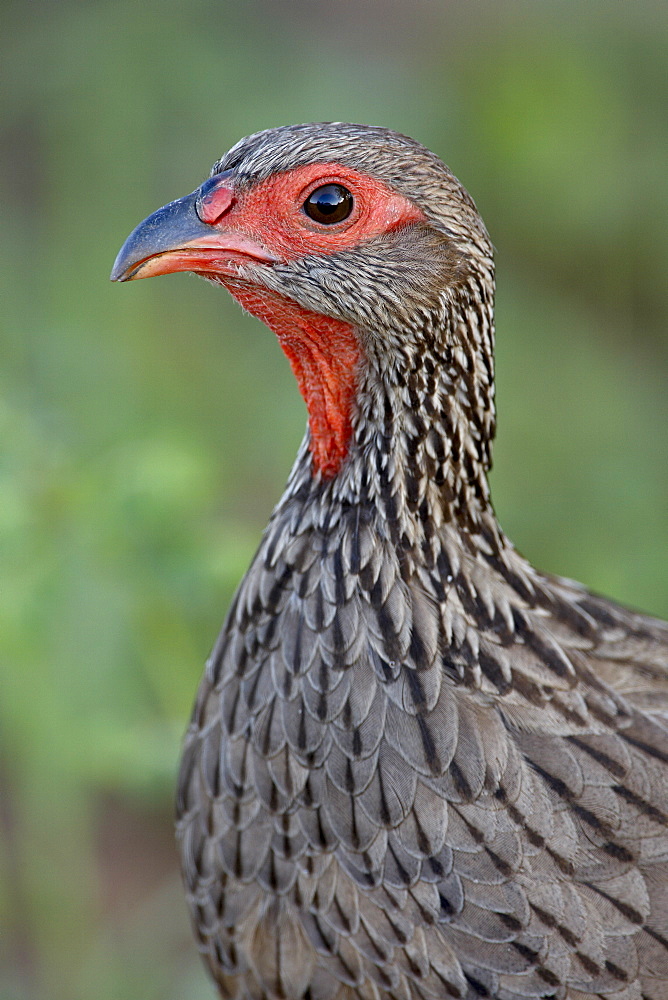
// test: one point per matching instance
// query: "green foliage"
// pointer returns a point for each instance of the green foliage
(147, 429)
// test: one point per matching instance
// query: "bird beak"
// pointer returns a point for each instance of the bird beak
(190, 235)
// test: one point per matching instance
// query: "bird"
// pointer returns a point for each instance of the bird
(417, 767)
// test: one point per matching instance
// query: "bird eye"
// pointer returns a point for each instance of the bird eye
(329, 204)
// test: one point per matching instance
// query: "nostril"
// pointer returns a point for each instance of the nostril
(215, 198)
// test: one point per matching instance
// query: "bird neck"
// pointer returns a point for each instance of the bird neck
(421, 427)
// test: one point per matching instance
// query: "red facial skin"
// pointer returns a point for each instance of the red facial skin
(267, 224)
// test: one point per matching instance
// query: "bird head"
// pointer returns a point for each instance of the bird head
(355, 244)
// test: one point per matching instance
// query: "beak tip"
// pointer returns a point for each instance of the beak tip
(117, 274)
(160, 232)
(122, 269)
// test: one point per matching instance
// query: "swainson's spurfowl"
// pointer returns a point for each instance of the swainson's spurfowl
(417, 767)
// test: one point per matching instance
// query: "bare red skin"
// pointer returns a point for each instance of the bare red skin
(324, 353)
(271, 213)
(324, 356)
(268, 221)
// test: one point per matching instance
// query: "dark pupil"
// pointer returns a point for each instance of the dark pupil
(328, 204)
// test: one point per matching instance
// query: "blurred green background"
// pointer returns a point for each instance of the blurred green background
(147, 429)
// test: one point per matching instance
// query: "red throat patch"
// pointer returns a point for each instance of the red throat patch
(324, 356)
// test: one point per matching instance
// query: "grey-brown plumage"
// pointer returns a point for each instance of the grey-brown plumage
(418, 768)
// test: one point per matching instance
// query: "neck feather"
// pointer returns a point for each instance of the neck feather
(421, 426)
